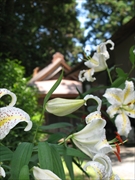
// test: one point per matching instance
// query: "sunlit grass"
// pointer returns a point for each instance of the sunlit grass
(78, 174)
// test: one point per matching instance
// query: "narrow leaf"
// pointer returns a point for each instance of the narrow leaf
(45, 156)
(55, 126)
(58, 166)
(68, 161)
(5, 153)
(118, 82)
(54, 138)
(20, 158)
(52, 90)
(121, 73)
(24, 173)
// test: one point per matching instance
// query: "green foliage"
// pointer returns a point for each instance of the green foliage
(12, 78)
(21, 157)
(32, 31)
(105, 17)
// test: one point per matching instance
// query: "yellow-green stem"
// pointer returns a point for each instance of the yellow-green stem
(109, 75)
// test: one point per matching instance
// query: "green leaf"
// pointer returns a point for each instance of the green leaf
(5, 154)
(56, 125)
(132, 55)
(70, 151)
(54, 138)
(20, 158)
(24, 173)
(118, 82)
(75, 153)
(58, 166)
(56, 84)
(45, 156)
(68, 161)
(121, 73)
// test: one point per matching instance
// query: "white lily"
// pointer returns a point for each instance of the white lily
(62, 107)
(10, 116)
(92, 139)
(101, 164)
(97, 63)
(44, 174)
(2, 172)
(123, 104)
(4, 91)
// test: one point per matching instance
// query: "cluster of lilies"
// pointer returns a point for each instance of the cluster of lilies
(92, 138)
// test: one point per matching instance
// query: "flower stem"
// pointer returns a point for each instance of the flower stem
(40, 120)
(110, 78)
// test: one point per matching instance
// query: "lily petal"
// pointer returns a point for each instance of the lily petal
(101, 48)
(88, 138)
(115, 177)
(97, 167)
(105, 160)
(114, 96)
(97, 62)
(92, 116)
(87, 75)
(4, 91)
(44, 174)
(130, 111)
(2, 172)
(96, 99)
(123, 124)
(112, 110)
(102, 165)
(129, 93)
(10, 117)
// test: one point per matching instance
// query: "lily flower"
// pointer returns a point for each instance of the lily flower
(62, 107)
(97, 63)
(4, 91)
(44, 174)
(101, 164)
(2, 172)
(92, 139)
(10, 116)
(123, 104)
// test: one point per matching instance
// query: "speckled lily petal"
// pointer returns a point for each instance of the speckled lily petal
(4, 91)
(97, 167)
(10, 117)
(101, 163)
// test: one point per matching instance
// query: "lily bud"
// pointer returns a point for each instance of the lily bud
(63, 107)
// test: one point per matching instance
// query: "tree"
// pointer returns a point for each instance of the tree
(32, 31)
(105, 17)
